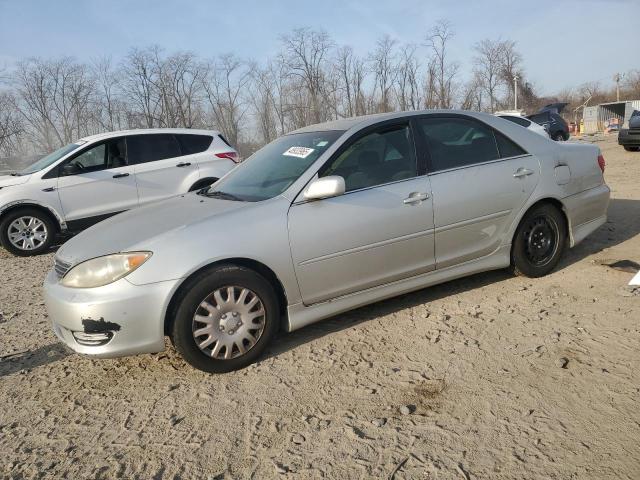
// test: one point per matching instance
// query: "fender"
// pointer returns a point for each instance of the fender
(26, 202)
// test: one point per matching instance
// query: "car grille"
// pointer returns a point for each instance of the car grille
(61, 268)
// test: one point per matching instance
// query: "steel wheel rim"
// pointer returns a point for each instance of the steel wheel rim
(27, 233)
(541, 240)
(228, 322)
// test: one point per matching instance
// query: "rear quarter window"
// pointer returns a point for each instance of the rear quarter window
(190, 144)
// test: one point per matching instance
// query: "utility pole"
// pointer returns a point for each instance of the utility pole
(515, 91)
(616, 78)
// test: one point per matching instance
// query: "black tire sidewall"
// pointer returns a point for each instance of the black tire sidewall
(199, 288)
(519, 261)
(30, 212)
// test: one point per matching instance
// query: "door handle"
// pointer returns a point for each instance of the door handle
(49, 189)
(183, 164)
(522, 172)
(415, 197)
(120, 175)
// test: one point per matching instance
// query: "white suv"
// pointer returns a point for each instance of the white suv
(99, 176)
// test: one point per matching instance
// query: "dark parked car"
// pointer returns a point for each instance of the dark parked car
(549, 117)
(629, 138)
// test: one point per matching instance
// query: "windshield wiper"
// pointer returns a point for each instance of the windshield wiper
(15, 174)
(222, 195)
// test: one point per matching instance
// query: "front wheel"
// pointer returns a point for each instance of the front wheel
(225, 319)
(539, 241)
(27, 231)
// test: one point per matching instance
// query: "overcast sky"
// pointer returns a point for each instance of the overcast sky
(563, 42)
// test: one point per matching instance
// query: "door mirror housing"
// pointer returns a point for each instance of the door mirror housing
(325, 187)
(70, 169)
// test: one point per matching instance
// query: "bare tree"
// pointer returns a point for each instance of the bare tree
(384, 70)
(305, 54)
(510, 67)
(53, 99)
(408, 91)
(444, 71)
(11, 126)
(139, 84)
(488, 68)
(109, 108)
(224, 90)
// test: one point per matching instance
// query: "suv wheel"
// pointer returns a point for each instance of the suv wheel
(559, 137)
(27, 231)
(225, 319)
(538, 242)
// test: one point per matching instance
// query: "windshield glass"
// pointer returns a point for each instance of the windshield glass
(49, 159)
(272, 169)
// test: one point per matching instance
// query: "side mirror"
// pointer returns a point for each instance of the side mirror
(70, 169)
(325, 187)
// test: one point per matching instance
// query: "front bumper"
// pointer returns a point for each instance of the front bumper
(112, 321)
(629, 138)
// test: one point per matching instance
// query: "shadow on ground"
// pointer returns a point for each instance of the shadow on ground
(34, 358)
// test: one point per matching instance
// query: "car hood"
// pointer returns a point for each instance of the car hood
(141, 228)
(9, 181)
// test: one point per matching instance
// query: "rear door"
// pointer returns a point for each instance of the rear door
(101, 184)
(379, 231)
(480, 180)
(160, 169)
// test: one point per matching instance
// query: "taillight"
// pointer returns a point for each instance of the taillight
(233, 156)
(601, 162)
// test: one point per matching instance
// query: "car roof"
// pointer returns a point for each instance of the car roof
(145, 131)
(366, 120)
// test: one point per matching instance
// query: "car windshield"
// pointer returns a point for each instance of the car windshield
(49, 159)
(272, 169)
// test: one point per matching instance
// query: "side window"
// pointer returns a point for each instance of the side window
(458, 142)
(507, 148)
(152, 147)
(105, 155)
(380, 157)
(190, 144)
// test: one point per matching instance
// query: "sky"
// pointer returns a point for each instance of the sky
(563, 42)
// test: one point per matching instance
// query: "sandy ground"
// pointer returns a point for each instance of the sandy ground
(503, 378)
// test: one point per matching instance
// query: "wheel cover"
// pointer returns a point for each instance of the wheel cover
(540, 240)
(228, 322)
(27, 233)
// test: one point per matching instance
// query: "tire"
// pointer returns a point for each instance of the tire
(631, 149)
(227, 323)
(559, 137)
(39, 230)
(539, 241)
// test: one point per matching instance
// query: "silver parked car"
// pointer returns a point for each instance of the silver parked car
(322, 220)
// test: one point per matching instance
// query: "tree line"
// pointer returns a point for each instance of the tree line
(47, 103)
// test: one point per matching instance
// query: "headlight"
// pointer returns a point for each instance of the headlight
(104, 270)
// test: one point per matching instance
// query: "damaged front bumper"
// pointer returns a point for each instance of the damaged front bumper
(115, 320)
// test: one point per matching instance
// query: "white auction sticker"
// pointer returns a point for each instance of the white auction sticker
(300, 152)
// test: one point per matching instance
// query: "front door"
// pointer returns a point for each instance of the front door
(96, 183)
(379, 231)
(480, 181)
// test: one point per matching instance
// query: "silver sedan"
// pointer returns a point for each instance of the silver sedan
(322, 220)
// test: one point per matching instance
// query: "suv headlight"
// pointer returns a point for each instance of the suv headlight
(101, 271)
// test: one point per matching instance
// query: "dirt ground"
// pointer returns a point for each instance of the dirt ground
(501, 377)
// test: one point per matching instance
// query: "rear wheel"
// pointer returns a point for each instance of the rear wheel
(27, 231)
(631, 149)
(225, 319)
(559, 137)
(539, 241)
